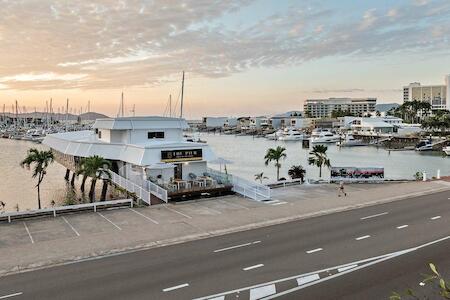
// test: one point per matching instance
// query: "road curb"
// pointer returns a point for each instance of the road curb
(207, 234)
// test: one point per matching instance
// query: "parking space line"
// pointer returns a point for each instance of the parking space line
(435, 218)
(178, 212)
(142, 215)
(402, 226)
(71, 227)
(115, 225)
(28, 231)
(234, 204)
(11, 295)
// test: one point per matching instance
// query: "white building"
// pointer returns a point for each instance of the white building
(436, 95)
(289, 119)
(322, 108)
(140, 149)
(259, 122)
(371, 124)
(214, 122)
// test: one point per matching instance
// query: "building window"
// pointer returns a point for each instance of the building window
(156, 135)
(99, 134)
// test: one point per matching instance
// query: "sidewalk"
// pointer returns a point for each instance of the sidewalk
(50, 241)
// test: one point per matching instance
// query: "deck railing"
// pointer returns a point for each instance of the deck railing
(246, 188)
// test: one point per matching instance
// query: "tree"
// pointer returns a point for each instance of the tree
(337, 113)
(297, 172)
(82, 171)
(318, 157)
(97, 168)
(275, 154)
(41, 160)
(260, 177)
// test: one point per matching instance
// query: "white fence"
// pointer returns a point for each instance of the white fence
(142, 189)
(246, 188)
(64, 209)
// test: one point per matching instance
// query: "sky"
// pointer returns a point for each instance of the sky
(241, 57)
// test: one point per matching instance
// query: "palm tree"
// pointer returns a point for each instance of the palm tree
(82, 171)
(97, 168)
(275, 154)
(296, 172)
(41, 160)
(260, 177)
(318, 157)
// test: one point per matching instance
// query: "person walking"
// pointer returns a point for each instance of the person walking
(341, 189)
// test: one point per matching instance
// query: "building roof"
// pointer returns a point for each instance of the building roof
(85, 144)
(150, 122)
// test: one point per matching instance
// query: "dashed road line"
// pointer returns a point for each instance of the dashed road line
(402, 226)
(28, 231)
(253, 267)
(115, 225)
(176, 287)
(362, 237)
(178, 212)
(71, 227)
(11, 295)
(314, 250)
(374, 216)
(435, 218)
(142, 215)
(237, 246)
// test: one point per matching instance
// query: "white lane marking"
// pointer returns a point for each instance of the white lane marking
(237, 246)
(271, 201)
(142, 215)
(435, 218)
(115, 225)
(218, 298)
(71, 227)
(176, 287)
(402, 226)
(11, 295)
(28, 231)
(262, 292)
(362, 237)
(314, 250)
(178, 212)
(346, 268)
(307, 279)
(253, 267)
(374, 216)
(234, 204)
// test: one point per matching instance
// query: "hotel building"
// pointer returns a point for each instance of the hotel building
(322, 108)
(437, 95)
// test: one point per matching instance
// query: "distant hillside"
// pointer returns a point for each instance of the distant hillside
(386, 107)
(91, 116)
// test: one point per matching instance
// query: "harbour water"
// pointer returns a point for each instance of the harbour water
(247, 154)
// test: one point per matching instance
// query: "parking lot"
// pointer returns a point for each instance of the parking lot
(74, 225)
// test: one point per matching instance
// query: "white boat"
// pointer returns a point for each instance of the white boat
(292, 135)
(275, 136)
(424, 145)
(350, 141)
(324, 137)
(447, 150)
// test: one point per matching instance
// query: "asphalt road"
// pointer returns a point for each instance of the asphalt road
(220, 264)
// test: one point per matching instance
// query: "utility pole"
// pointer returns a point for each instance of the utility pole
(182, 97)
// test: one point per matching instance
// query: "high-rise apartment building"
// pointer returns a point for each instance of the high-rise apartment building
(321, 108)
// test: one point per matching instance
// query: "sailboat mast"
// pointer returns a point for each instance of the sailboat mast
(67, 113)
(170, 105)
(182, 97)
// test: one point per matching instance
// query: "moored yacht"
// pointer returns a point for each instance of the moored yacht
(350, 141)
(291, 135)
(425, 145)
(447, 150)
(324, 137)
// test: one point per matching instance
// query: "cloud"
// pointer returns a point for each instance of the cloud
(114, 44)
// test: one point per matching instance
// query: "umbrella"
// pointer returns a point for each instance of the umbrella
(221, 161)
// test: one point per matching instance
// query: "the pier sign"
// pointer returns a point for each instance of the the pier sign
(181, 155)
